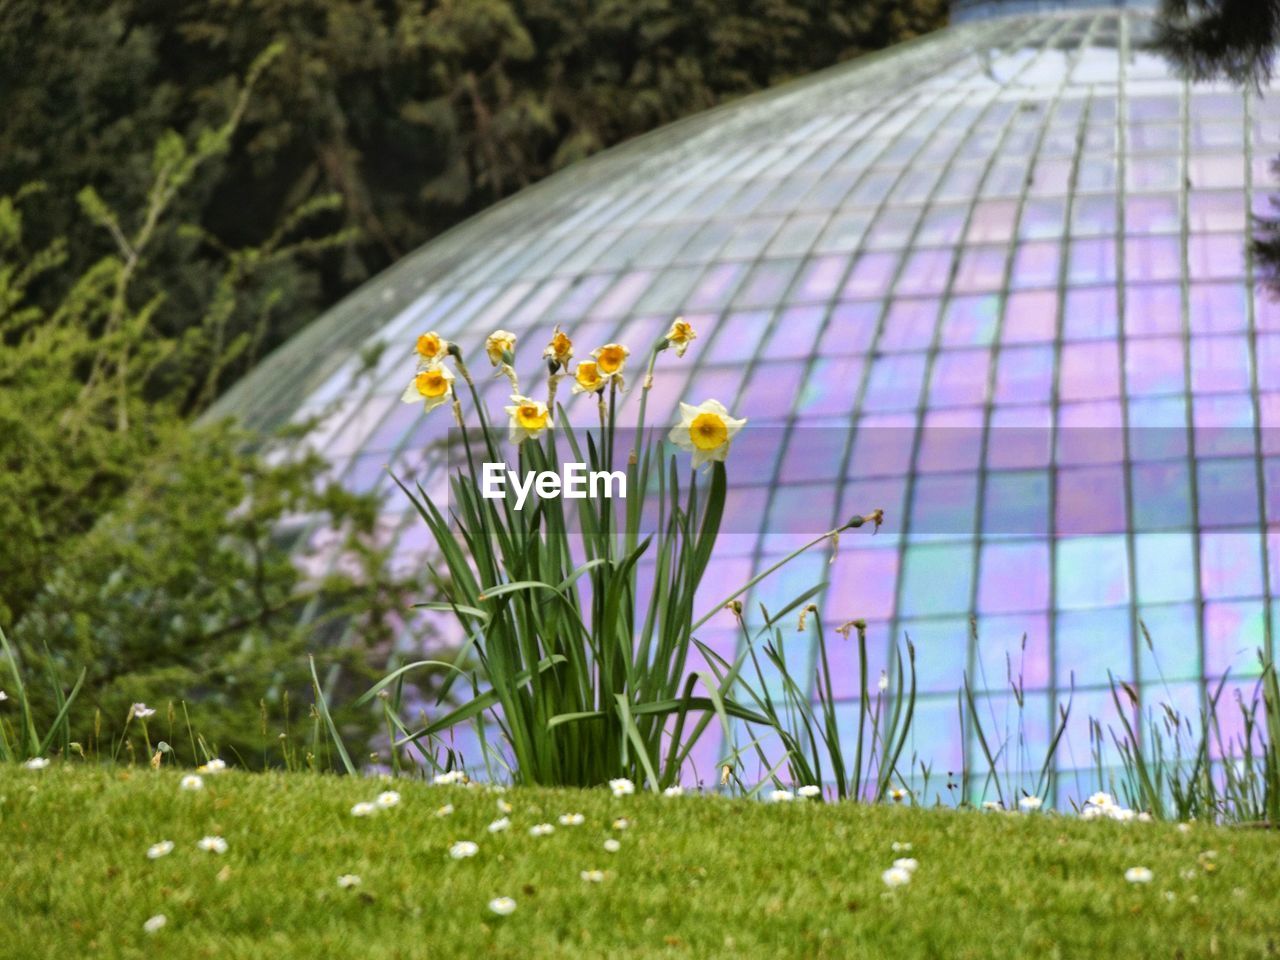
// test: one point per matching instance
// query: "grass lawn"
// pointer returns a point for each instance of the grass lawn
(694, 876)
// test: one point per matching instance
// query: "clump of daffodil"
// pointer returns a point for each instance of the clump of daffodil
(610, 359)
(433, 385)
(587, 378)
(431, 348)
(706, 431)
(529, 418)
(680, 335)
(501, 349)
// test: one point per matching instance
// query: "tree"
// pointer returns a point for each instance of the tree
(1236, 39)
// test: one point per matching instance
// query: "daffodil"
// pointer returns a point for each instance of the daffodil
(501, 347)
(560, 350)
(706, 431)
(1138, 875)
(161, 849)
(431, 348)
(432, 386)
(587, 378)
(680, 335)
(529, 418)
(463, 849)
(502, 906)
(610, 359)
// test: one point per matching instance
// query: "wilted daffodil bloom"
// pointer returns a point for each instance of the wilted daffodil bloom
(500, 346)
(560, 349)
(431, 347)
(587, 379)
(705, 431)
(681, 335)
(433, 386)
(529, 418)
(610, 359)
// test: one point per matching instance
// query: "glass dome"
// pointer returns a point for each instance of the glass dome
(1001, 271)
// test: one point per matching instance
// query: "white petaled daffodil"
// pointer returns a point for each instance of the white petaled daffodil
(500, 347)
(610, 359)
(680, 335)
(529, 419)
(502, 906)
(560, 350)
(431, 348)
(587, 378)
(706, 431)
(432, 386)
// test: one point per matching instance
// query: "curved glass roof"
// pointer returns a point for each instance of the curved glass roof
(1001, 272)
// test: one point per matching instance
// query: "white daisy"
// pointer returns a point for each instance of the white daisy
(502, 906)
(541, 830)
(499, 825)
(991, 805)
(781, 796)
(142, 711)
(571, 819)
(621, 823)
(161, 849)
(673, 791)
(348, 880)
(809, 791)
(896, 877)
(1030, 803)
(1138, 875)
(503, 806)
(450, 778)
(897, 795)
(154, 924)
(1184, 828)
(463, 849)
(908, 864)
(363, 809)
(214, 766)
(592, 876)
(191, 782)
(36, 763)
(612, 846)
(212, 845)
(897, 847)
(3, 696)
(445, 811)
(387, 799)
(1101, 799)
(622, 787)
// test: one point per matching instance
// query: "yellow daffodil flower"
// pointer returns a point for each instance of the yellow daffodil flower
(431, 347)
(587, 379)
(681, 335)
(433, 386)
(610, 359)
(706, 431)
(560, 349)
(529, 418)
(500, 346)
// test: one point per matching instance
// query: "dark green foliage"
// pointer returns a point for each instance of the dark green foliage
(414, 114)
